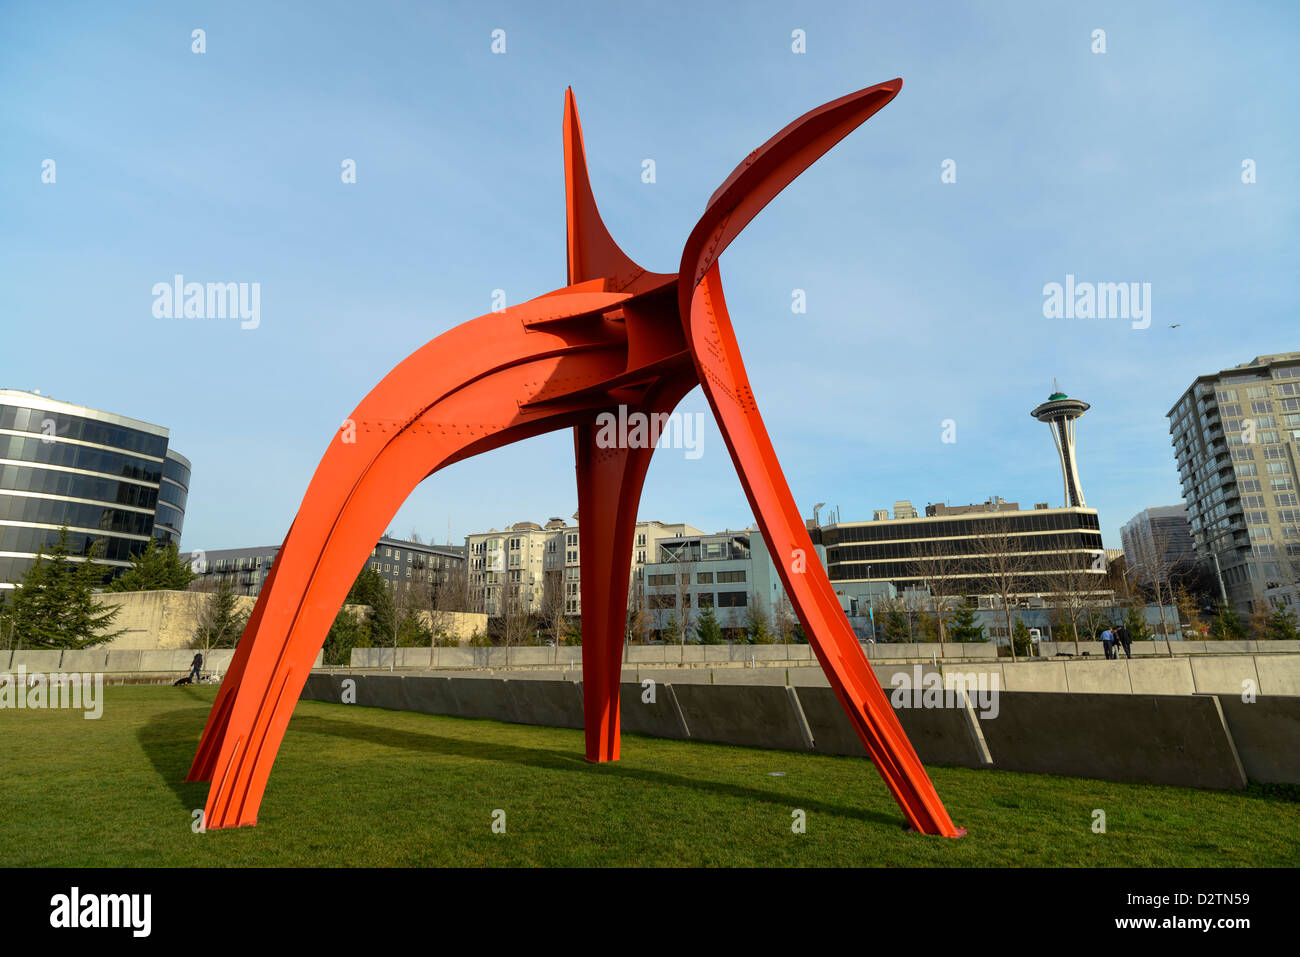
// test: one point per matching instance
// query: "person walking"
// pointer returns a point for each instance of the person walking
(1125, 641)
(196, 666)
(1108, 643)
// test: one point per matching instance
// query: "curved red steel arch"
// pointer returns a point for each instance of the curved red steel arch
(616, 335)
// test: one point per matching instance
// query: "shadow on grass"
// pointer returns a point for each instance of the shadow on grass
(169, 741)
(564, 761)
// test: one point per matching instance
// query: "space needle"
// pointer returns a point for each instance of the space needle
(1060, 411)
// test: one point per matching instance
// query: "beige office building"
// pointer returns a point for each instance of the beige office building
(527, 559)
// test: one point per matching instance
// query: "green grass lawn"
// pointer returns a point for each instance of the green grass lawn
(360, 787)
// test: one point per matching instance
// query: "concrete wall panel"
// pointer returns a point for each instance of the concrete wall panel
(660, 718)
(89, 660)
(122, 661)
(1160, 739)
(383, 691)
(939, 735)
(1161, 676)
(1034, 675)
(1097, 677)
(1267, 734)
(755, 716)
(556, 704)
(1278, 675)
(38, 660)
(482, 698)
(1215, 674)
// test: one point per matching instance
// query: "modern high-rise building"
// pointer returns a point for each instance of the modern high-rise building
(112, 480)
(528, 560)
(1235, 435)
(1156, 541)
(1060, 412)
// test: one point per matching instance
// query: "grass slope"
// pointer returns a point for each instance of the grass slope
(357, 787)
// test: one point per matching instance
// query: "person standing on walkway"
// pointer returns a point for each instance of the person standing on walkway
(1125, 641)
(1108, 643)
(196, 666)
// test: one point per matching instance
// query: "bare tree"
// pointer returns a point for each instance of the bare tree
(1004, 565)
(1153, 566)
(515, 618)
(219, 622)
(638, 616)
(1072, 584)
(939, 568)
(682, 593)
(555, 606)
(783, 619)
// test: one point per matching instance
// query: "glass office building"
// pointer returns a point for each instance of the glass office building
(110, 479)
(1050, 542)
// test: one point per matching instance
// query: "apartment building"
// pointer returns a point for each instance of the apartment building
(1234, 435)
(528, 563)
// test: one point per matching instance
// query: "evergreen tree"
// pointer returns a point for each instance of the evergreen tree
(896, 629)
(371, 589)
(1188, 612)
(758, 630)
(56, 606)
(964, 626)
(1281, 626)
(220, 622)
(927, 627)
(1136, 623)
(1227, 624)
(707, 628)
(574, 635)
(672, 631)
(155, 568)
(6, 622)
(1020, 635)
(347, 632)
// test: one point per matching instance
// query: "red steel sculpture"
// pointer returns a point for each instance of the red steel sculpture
(615, 336)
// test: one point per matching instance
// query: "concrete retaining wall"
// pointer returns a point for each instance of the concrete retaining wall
(756, 716)
(1231, 674)
(1278, 675)
(1158, 739)
(1185, 739)
(556, 704)
(1267, 734)
(659, 718)
(939, 735)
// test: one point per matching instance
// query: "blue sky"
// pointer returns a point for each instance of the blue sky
(924, 298)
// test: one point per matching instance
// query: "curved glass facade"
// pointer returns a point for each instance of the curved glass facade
(111, 480)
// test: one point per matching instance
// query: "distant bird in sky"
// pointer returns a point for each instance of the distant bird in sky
(1175, 325)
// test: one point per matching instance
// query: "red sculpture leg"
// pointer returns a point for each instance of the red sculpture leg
(727, 387)
(390, 444)
(609, 488)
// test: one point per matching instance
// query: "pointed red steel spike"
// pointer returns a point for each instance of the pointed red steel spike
(593, 254)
